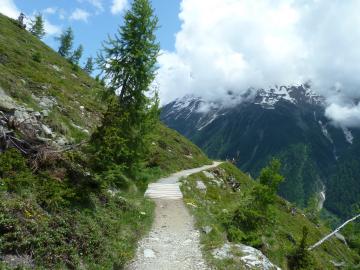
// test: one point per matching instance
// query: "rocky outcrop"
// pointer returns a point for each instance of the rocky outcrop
(27, 123)
(250, 257)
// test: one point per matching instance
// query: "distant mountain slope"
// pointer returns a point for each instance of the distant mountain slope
(288, 122)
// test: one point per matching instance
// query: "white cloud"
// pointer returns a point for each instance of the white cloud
(51, 29)
(98, 4)
(118, 6)
(80, 15)
(50, 10)
(8, 8)
(347, 115)
(237, 44)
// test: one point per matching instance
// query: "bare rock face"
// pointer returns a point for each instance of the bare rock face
(250, 257)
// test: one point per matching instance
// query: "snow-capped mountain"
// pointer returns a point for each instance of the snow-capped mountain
(209, 111)
(288, 122)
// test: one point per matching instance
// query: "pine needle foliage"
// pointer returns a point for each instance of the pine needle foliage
(66, 42)
(89, 65)
(128, 61)
(38, 28)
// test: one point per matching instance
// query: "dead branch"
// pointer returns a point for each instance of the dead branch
(333, 233)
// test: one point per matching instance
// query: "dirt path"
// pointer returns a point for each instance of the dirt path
(173, 242)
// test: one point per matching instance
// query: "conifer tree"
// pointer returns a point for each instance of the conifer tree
(89, 66)
(38, 28)
(77, 54)
(128, 62)
(66, 42)
(300, 258)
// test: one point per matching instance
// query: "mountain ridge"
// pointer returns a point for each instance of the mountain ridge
(271, 122)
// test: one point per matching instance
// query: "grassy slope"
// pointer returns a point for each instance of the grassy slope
(49, 215)
(277, 239)
(23, 78)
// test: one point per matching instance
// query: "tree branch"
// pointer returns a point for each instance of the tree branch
(333, 233)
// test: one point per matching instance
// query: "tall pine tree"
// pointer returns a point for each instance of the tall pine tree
(38, 28)
(66, 42)
(129, 64)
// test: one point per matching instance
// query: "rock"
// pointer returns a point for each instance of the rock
(3, 58)
(250, 257)
(149, 253)
(18, 261)
(218, 182)
(45, 113)
(112, 192)
(7, 104)
(56, 68)
(74, 75)
(37, 115)
(209, 175)
(341, 238)
(200, 186)
(47, 130)
(47, 102)
(223, 253)
(207, 229)
(62, 141)
(233, 183)
(338, 264)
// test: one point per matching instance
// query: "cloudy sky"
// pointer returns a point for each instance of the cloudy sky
(212, 46)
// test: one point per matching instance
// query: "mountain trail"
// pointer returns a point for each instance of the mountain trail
(173, 242)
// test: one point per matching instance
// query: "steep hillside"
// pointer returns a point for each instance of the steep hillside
(223, 203)
(287, 122)
(36, 77)
(56, 211)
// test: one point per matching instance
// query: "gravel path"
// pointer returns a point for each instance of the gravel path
(173, 242)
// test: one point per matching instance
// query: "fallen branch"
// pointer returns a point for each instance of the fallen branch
(333, 233)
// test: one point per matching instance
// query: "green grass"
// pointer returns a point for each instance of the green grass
(172, 152)
(277, 238)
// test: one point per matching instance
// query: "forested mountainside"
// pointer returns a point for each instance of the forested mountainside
(319, 159)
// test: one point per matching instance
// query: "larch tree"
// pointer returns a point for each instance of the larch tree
(89, 65)
(128, 61)
(66, 42)
(77, 54)
(38, 28)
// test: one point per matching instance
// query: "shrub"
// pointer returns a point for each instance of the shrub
(300, 257)
(37, 57)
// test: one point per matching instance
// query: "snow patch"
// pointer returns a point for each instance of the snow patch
(325, 131)
(348, 135)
